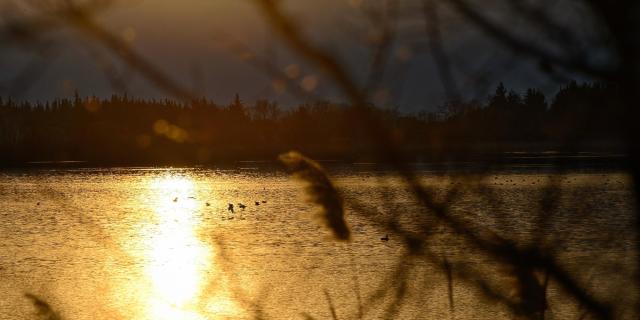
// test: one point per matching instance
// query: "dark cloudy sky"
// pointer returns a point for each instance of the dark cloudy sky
(189, 40)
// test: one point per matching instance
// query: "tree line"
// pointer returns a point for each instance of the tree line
(127, 130)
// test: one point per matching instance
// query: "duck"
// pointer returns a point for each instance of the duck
(230, 207)
(257, 203)
(241, 206)
(385, 238)
(208, 204)
(175, 199)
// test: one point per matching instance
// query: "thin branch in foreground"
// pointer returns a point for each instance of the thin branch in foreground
(437, 50)
(43, 309)
(80, 19)
(332, 308)
(321, 192)
(449, 272)
(501, 35)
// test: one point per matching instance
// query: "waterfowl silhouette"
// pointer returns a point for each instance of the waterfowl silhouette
(385, 238)
(230, 207)
(264, 201)
(241, 206)
(257, 203)
(175, 199)
(208, 204)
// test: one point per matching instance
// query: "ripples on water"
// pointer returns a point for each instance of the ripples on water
(161, 244)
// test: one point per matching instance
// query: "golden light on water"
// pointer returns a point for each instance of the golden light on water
(177, 264)
(177, 260)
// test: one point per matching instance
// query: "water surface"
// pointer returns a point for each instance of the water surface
(140, 243)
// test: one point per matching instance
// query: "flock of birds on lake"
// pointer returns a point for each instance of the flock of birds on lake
(230, 207)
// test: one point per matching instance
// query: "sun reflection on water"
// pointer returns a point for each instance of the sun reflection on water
(177, 264)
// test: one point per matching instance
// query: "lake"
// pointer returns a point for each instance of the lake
(160, 243)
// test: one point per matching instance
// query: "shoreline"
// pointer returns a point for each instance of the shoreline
(520, 160)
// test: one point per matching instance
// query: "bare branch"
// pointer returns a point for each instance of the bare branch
(502, 36)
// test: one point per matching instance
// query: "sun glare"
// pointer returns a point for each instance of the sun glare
(178, 265)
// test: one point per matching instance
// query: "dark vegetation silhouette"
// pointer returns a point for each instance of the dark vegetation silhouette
(321, 191)
(125, 130)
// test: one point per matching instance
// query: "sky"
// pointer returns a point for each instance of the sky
(191, 41)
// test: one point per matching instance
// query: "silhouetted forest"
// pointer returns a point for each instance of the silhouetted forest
(126, 130)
